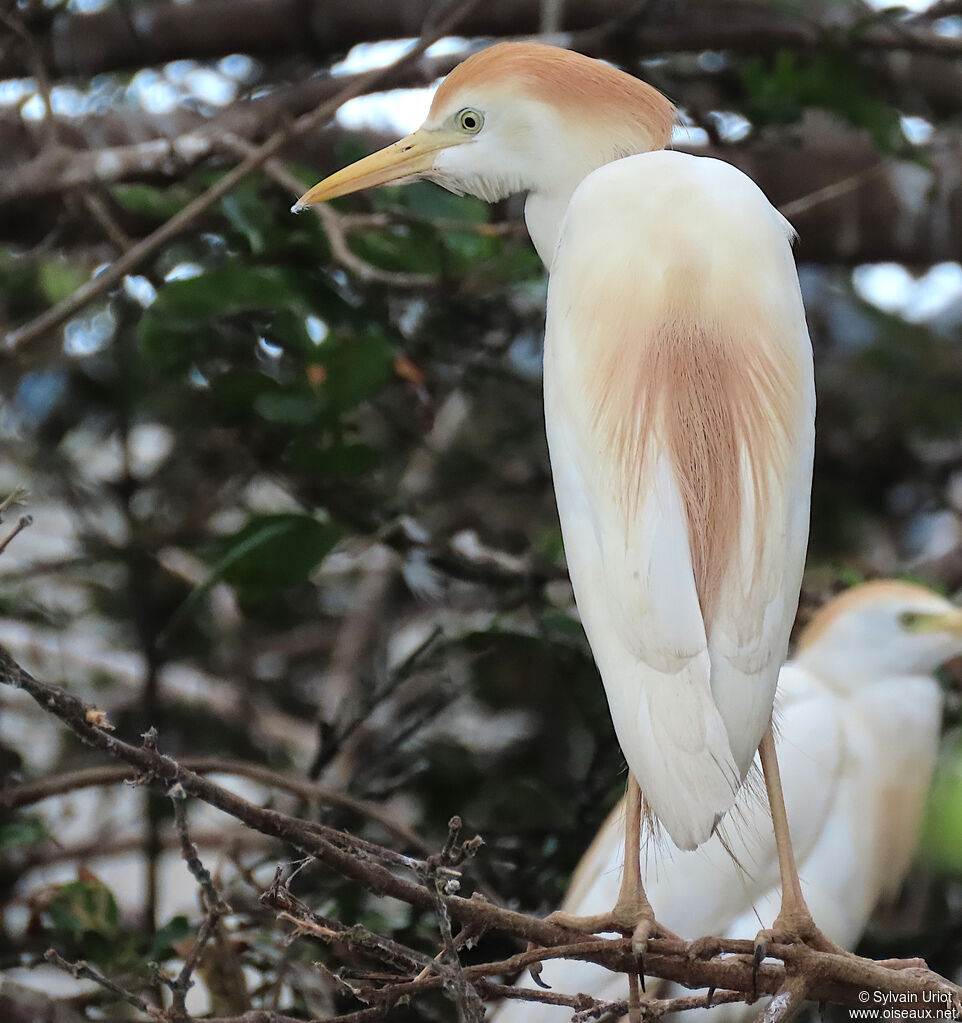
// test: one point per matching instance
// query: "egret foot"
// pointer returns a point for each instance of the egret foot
(703, 948)
(632, 914)
(794, 926)
(629, 917)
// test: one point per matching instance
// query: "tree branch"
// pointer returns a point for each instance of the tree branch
(93, 777)
(84, 971)
(136, 254)
(831, 978)
(88, 44)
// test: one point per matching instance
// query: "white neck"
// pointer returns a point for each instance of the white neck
(544, 213)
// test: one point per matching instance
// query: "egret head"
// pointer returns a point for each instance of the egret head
(881, 629)
(517, 117)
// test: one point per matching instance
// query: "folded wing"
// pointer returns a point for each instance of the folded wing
(679, 406)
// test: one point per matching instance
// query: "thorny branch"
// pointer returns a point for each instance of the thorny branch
(727, 966)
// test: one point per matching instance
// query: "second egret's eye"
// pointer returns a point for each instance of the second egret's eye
(470, 120)
(918, 621)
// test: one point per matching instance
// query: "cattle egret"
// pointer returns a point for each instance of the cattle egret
(679, 404)
(858, 728)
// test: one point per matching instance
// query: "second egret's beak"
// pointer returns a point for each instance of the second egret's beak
(948, 621)
(409, 158)
(951, 622)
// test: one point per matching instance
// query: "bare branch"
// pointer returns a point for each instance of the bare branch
(23, 522)
(214, 905)
(136, 254)
(91, 43)
(787, 1001)
(73, 781)
(832, 978)
(83, 970)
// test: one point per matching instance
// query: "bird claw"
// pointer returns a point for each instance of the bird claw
(763, 945)
(795, 927)
(630, 918)
(535, 968)
(791, 928)
(600, 923)
(645, 928)
(702, 948)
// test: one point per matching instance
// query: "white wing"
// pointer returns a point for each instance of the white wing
(679, 407)
(855, 771)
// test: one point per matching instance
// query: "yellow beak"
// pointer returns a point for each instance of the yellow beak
(407, 159)
(948, 621)
(951, 622)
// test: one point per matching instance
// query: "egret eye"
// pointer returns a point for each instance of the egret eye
(914, 621)
(470, 120)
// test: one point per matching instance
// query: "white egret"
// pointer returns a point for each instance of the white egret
(858, 730)
(679, 404)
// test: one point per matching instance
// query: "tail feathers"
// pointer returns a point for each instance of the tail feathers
(677, 747)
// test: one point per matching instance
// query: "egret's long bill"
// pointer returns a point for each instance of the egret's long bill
(949, 622)
(410, 157)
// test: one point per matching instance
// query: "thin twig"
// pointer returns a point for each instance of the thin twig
(835, 190)
(51, 129)
(84, 971)
(336, 227)
(93, 777)
(15, 496)
(465, 997)
(97, 208)
(22, 524)
(215, 908)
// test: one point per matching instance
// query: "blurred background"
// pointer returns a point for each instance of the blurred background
(288, 477)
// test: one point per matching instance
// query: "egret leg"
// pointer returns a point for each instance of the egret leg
(632, 913)
(794, 922)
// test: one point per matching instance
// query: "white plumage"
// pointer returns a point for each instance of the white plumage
(858, 716)
(679, 405)
(640, 253)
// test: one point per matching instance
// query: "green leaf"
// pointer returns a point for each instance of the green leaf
(465, 249)
(941, 841)
(406, 248)
(182, 324)
(226, 291)
(83, 908)
(247, 212)
(433, 203)
(356, 368)
(271, 551)
(176, 929)
(59, 278)
(289, 407)
(22, 829)
(779, 90)
(238, 392)
(334, 460)
(159, 203)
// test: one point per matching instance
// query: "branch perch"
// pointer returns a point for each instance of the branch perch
(828, 977)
